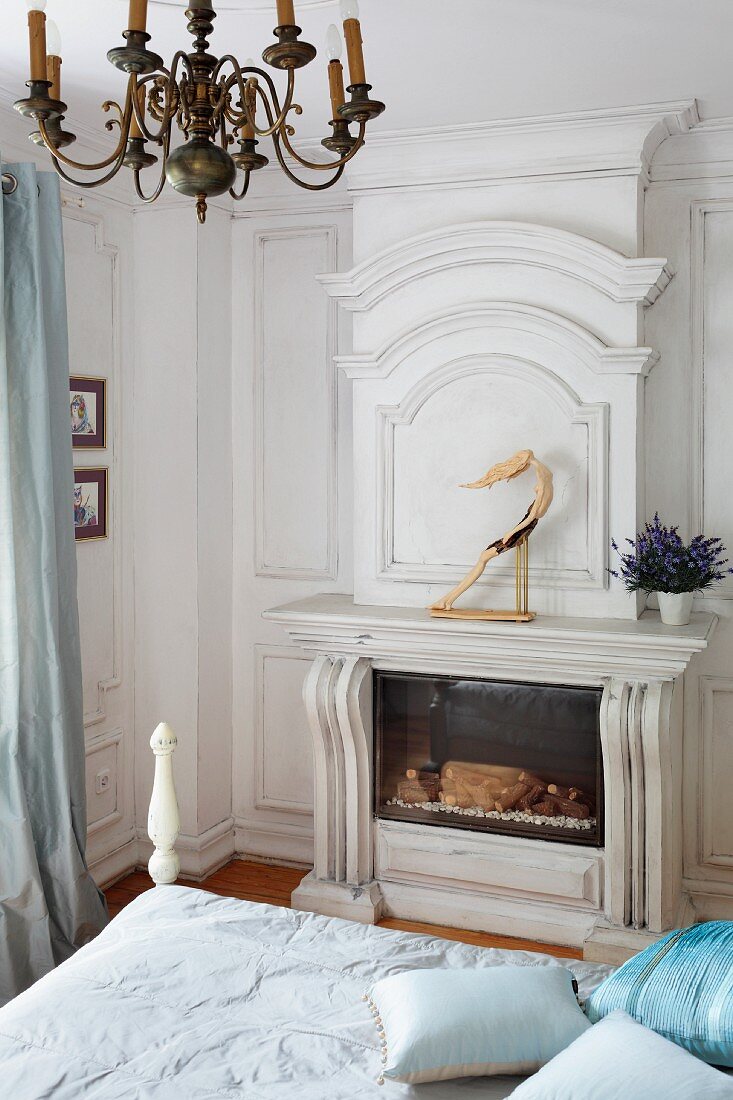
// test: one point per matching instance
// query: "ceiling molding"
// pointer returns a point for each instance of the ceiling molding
(618, 140)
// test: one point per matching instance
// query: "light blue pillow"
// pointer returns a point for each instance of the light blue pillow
(681, 987)
(619, 1059)
(438, 1024)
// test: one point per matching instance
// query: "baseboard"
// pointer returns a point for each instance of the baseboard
(113, 866)
(277, 841)
(712, 900)
(200, 855)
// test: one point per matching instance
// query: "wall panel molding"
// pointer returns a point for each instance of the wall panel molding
(712, 772)
(700, 210)
(93, 748)
(592, 416)
(265, 566)
(110, 457)
(265, 733)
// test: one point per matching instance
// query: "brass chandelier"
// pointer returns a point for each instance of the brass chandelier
(214, 103)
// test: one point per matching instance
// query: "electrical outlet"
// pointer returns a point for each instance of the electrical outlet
(102, 781)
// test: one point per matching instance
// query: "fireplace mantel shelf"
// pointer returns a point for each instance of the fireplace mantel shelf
(641, 649)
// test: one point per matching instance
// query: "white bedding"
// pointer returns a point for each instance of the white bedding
(187, 995)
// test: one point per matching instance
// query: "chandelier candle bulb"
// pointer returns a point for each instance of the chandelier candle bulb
(285, 13)
(138, 17)
(334, 43)
(352, 34)
(53, 59)
(37, 38)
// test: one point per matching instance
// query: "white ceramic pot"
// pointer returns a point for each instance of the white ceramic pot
(675, 607)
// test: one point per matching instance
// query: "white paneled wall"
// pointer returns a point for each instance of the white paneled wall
(99, 267)
(292, 501)
(689, 401)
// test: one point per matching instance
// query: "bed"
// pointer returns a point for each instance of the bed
(186, 995)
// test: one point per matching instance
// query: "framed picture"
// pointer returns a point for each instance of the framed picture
(90, 503)
(88, 406)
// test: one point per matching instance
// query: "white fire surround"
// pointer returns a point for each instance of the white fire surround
(612, 900)
(505, 307)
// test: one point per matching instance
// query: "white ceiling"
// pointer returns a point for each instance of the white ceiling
(434, 62)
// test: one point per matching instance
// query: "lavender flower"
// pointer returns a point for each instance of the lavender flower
(659, 561)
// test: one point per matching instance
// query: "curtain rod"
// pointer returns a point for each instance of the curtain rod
(10, 186)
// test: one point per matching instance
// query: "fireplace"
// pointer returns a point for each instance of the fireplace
(492, 755)
(391, 690)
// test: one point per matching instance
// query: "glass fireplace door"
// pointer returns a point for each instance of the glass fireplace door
(514, 758)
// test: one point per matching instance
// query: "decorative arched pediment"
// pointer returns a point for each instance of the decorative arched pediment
(508, 326)
(620, 278)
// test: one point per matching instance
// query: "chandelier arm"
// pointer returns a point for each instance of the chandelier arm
(275, 110)
(301, 183)
(119, 152)
(88, 184)
(161, 182)
(245, 188)
(170, 109)
(325, 166)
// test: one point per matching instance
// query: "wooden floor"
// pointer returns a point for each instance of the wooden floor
(262, 882)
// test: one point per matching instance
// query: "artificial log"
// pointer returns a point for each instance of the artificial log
(477, 773)
(577, 810)
(411, 791)
(509, 797)
(547, 808)
(536, 794)
(481, 795)
(576, 795)
(423, 775)
(428, 782)
(555, 788)
(450, 794)
(475, 779)
(532, 779)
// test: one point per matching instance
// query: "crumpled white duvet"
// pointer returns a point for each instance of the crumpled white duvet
(186, 995)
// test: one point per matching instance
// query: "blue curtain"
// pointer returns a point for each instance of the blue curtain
(49, 904)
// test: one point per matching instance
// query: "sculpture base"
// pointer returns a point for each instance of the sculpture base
(484, 616)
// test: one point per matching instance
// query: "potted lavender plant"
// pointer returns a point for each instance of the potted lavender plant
(659, 561)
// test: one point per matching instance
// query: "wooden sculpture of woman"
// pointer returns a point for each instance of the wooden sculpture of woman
(505, 471)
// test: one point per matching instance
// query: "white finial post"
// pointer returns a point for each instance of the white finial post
(163, 820)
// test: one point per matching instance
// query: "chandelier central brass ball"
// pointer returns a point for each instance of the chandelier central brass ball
(214, 103)
(201, 169)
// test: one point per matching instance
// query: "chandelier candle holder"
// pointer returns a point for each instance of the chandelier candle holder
(218, 107)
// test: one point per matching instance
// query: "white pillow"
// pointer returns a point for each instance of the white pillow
(618, 1059)
(438, 1024)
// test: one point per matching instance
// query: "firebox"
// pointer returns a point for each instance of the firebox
(500, 756)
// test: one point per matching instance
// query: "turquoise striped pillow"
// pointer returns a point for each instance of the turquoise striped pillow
(682, 988)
